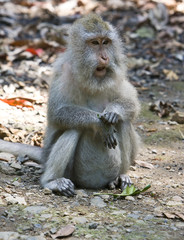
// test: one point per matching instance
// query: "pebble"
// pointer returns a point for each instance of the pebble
(7, 156)
(47, 191)
(80, 220)
(177, 199)
(98, 202)
(129, 198)
(16, 165)
(173, 203)
(81, 193)
(154, 151)
(13, 199)
(35, 209)
(16, 183)
(6, 169)
(93, 225)
(180, 225)
(15, 235)
(118, 212)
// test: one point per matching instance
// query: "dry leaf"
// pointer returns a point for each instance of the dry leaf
(21, 102)
(145, 164)
(178, 117)
(180, 215)
(170, 75)
(169, 215)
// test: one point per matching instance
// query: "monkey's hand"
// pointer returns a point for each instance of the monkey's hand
(108, 135)
(110, 117)
(120, 182)
(63, 186)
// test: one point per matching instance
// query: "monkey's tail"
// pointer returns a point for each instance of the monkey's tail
(20, 149)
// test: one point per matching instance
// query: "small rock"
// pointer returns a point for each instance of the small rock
(149, 217)
(8, 157)
(118, 212)
(132, 168)
(134, 215)
(53, 230)
(105, 197)
(15, 199)
(6, 169)
(128, 230)
(180, 225)
(16, 183)
(9, 235)
(154, 151)
(177, 199)
(47, 191)
(139, 197)
(98, 202)
(93, 225)
(16, 165)
(81, 193)
(79, 220)
(172, 123)
(35, 209)
(129, 198)
(173, 203)
(168, 168)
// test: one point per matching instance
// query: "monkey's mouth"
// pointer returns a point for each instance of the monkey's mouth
(100, 71)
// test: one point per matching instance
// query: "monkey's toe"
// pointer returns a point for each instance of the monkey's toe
(124, 181)
(63, 186)
(120, 182)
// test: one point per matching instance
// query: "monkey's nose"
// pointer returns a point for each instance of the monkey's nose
(104, 60)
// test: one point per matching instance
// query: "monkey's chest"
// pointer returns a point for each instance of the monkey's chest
(95, 165)
(97, 104)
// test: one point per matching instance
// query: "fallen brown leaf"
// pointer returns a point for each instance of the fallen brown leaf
(145, 164)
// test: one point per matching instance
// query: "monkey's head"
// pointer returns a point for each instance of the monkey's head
(98, 50)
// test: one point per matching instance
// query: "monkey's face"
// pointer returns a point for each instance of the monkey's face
(98, 57)
(99, 48)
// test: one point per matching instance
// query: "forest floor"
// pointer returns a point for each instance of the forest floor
(155, 52)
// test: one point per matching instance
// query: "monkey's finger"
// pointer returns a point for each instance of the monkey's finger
(115, 119)
(113, 141)
(70, 192)
(109, 142)
(110, 117)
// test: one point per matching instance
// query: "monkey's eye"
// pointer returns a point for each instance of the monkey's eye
(95, 42)
(105, 42)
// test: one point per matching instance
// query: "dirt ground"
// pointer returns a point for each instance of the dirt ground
(29, 212)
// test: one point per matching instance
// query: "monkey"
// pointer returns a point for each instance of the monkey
(90, 141)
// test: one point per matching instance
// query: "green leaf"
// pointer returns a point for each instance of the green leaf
(128, 191)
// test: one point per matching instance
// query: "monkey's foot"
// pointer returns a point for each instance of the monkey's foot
(62, 185)
(120, 182)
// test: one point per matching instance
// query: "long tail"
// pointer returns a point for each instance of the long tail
(20, 149)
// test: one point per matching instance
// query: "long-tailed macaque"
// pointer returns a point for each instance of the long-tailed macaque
(90, 141)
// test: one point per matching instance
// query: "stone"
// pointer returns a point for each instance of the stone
(129, 198)
(80, 220)
(98, 202)
(35, 209)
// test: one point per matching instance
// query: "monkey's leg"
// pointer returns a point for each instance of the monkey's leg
(61, 155)
(128, 142)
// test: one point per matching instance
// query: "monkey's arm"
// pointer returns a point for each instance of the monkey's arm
(74, 117)
(21, 149)
(124, 109)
